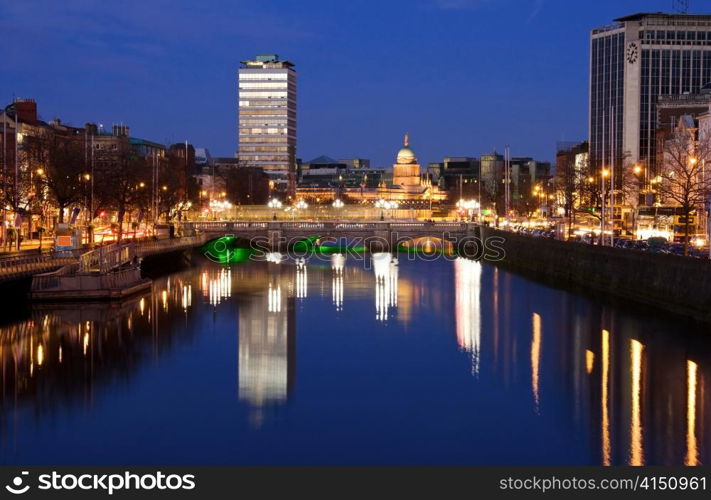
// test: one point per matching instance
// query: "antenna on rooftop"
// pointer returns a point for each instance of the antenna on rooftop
(680, 6)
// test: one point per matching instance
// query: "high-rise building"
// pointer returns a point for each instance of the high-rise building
(267, 118)
(633, 62)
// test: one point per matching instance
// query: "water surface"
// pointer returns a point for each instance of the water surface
(335, 361)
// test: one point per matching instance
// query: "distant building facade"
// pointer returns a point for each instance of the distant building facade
(267, 118)
(671, 108)
(356, 163)
(325, 178)
(632, 62)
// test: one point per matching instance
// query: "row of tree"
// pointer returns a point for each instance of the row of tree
(679, 180)
(58, 170)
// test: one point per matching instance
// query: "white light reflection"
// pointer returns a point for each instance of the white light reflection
(187, 297)
(467, 278)
(274, 301)
(385, 268)
(219, 287)
(302, 279)
(338, 261)
(274, 257)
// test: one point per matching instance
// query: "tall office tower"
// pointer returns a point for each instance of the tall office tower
(267, 118)
(632, 62)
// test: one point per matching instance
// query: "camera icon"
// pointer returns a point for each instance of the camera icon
(16, 487)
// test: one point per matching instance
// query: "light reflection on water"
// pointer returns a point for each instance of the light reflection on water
(399, 362)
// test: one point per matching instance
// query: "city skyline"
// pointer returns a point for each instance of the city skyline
(422, 61)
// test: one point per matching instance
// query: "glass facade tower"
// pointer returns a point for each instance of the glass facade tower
(267, 117)
(632, 62)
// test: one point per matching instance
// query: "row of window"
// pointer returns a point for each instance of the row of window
(253, 131)
(274, 158)
(263, 85)
(262, 76)
(264, 140)
(667, 36)
(247, 94)
(275, 105)
(266, 122)
(264, 149)
(281, 111)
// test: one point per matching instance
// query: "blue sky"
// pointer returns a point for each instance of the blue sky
(463, 77)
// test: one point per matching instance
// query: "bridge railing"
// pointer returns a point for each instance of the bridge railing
(106, 258)
(25, 265)
(149, 247)
(227, 226)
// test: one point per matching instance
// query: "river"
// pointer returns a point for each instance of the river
(346, 361)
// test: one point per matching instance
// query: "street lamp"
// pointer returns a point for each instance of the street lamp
(275, 205)
(385, 205)
(381, 203)
(337, 203)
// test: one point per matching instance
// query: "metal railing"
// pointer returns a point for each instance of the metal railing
(106, 258)
(65, 280)
(225, 227)
(19, 266)
(149, 247)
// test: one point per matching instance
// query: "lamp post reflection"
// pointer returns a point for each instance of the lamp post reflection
(385, 268)
(536, 360)
(636, 455)
(605, 410)
(302, 279)
(692, 450)
(338, 261)
(467, 278)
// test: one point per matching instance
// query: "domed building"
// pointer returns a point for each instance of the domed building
(406, 184)
(406, 170)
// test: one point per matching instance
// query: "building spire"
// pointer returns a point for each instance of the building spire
(407, 139)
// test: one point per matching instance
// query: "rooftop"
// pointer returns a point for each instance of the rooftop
(266, 61)
(641, 15)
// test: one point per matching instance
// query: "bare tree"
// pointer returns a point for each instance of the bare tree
(58, 163)
(570, 184)
(122, 183)
(682, 178)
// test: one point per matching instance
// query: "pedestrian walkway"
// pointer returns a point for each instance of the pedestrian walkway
(26, 246)
(20, 266)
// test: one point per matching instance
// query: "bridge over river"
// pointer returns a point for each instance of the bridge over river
(272, 234)
(278, 234)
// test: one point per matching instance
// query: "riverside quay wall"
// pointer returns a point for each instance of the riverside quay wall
(675, 284)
